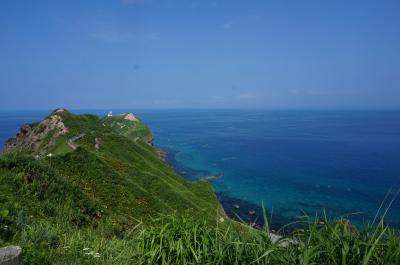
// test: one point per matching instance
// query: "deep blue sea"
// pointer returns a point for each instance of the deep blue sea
(295, 162)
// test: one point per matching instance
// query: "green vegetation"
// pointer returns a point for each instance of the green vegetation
(106, 197)
(184, 241)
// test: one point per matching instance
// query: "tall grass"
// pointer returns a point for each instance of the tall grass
(185, 240)
(318, 240)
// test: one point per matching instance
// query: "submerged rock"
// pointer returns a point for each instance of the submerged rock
(214, 177)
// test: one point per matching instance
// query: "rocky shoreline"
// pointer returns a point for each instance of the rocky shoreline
(236, 209)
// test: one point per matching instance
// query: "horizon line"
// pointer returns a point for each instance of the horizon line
(375, 108)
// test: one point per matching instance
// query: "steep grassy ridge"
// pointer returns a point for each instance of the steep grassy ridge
(90, 172)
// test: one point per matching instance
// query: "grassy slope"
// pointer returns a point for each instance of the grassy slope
(127, 172)
(67, 208)
(112, 188)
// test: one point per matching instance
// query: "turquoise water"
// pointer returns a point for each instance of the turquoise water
(343, 162)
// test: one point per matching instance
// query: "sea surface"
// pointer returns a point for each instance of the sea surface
(342, 163)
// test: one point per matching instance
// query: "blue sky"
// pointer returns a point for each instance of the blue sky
(199, 54)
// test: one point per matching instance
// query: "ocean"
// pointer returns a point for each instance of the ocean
(295, 163)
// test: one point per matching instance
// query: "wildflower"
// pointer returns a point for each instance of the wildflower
(96, 255)
(86, 249)
(221, 220)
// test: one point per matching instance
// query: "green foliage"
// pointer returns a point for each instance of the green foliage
(109, 183)
(112, 200)
(186, 241)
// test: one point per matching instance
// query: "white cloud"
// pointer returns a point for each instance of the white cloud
(227, 25)
(129, 2)
(153, 35)
(217, 98)
(108, 33)
(255, 17)
(166, 102)
(109, 36)
(246, 96)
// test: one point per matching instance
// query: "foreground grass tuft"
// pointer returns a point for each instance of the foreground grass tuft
(181, 241)
(184, 240)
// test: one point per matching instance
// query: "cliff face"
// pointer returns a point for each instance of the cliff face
(37, 138)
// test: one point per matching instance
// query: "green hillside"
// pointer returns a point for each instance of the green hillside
(79, 189)
(82, 171)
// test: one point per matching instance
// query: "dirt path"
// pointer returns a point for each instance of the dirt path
(71, 141)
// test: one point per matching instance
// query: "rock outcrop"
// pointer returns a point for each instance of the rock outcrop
(32, 138)
(131, 117)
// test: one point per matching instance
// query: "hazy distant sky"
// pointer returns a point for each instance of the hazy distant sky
(199, 54)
